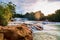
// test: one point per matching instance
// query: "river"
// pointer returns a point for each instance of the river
(50, 32)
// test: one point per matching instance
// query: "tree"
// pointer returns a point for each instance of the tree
(38, 15)
(54, 17)
(5, 14)
(30, 16)
(26, 15)
(18, 16)
(57, 15)
(12, 8)
(35, 15)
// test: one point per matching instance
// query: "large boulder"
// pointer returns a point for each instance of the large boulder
(19, 32)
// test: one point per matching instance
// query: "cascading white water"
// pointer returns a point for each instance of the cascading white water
(43, 36)
(49, 33)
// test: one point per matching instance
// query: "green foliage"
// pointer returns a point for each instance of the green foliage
(30, 16)
(12, 8)
(54, 17)
(18, 16)
(4, 23)
(5, 14)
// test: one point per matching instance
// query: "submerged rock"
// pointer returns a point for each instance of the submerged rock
(20, 32)
(39, 27)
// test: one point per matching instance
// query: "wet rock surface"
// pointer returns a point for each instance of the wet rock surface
(19, 32)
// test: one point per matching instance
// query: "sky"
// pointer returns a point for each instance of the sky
(46, 6)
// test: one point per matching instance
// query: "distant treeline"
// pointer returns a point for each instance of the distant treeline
(55, 17)
(39, 16)
(32, 16)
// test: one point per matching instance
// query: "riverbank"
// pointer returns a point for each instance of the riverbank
(19, 32)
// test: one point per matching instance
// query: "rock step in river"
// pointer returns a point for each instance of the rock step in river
(49, 33)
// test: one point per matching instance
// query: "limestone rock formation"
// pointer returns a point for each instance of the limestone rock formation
(19, 32)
